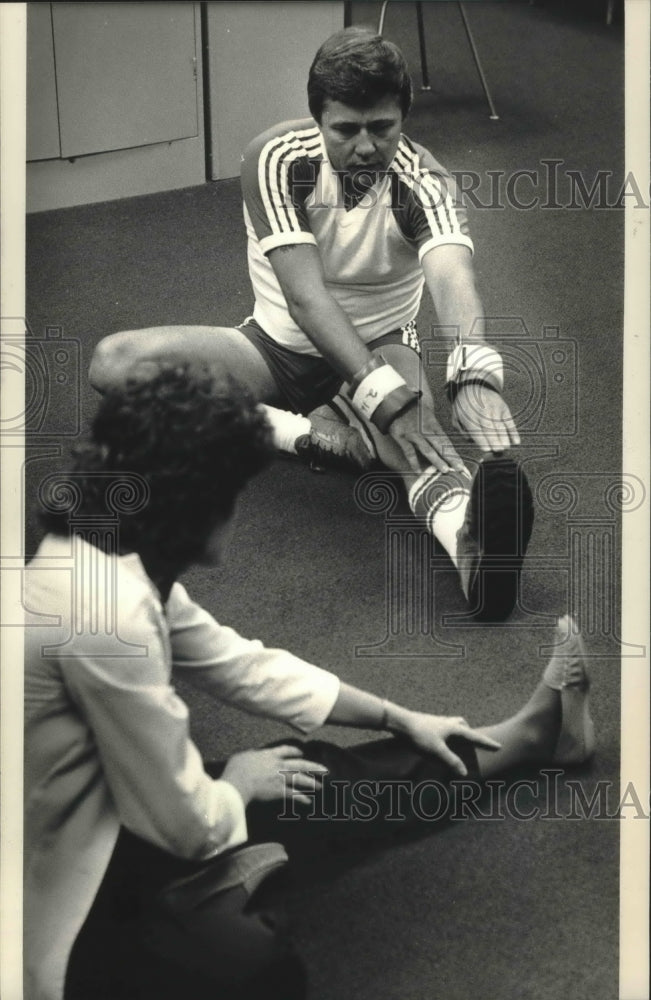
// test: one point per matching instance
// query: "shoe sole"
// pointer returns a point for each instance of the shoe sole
(500, 522)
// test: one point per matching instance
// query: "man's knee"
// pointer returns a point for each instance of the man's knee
(132, 354)
(112, 361)
(140, 354)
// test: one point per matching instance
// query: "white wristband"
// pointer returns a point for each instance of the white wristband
(373, 389)
(475, 359)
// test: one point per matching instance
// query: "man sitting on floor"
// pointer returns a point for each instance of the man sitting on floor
(136, 885)
(347, 220)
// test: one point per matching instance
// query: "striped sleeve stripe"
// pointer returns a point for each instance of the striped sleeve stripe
(274, 164)
(407, 166)
(268, 243)
(444, 240)
(432, 195)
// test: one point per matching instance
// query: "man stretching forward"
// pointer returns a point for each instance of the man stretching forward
(347, 221)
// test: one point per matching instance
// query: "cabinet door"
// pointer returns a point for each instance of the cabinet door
(126, 74)
(42, 120)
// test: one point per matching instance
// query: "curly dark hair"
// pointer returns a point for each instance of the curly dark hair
(358, 68)
(191, 439)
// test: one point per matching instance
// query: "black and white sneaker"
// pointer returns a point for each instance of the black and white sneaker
(332, 444)
(493, 540)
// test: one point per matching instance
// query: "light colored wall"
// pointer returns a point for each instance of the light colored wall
(121, 174)
(258, 60)
(259, 54)
(126, 106)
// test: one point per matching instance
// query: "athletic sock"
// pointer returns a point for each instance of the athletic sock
(286, 426)
(441, 500)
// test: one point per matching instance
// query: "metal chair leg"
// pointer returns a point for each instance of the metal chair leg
(421, 39)
(380, 24)
(423, 49)
(493, 113)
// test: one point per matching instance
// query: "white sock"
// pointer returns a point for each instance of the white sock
(287, 426)
(442, 499)
(447, 521)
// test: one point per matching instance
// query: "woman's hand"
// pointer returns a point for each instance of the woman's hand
(262, 774)
(430, 734)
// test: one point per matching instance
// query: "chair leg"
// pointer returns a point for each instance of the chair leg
(493, 113)
(380, 24)
(423, 49)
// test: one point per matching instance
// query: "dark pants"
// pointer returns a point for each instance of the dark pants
(234, 948)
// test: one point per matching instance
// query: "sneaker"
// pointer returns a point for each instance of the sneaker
(493, 540)
(332, 444)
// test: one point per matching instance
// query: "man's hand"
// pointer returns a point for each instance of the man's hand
(430, 734)
(258, 774)
(420, 436)
(485, 416)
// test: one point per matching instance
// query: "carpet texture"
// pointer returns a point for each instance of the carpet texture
(505, 910)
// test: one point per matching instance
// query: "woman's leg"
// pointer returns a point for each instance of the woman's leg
(529, 737)
(376, 788)
(134, 947)
(555, 725)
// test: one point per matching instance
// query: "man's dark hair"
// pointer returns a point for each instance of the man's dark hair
(192, 440)
(358, 68)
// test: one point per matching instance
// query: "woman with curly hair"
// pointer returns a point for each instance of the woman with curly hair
(143, 865)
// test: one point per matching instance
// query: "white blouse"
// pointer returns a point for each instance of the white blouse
(107, 737)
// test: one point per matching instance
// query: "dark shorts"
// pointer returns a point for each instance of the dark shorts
(305, 381)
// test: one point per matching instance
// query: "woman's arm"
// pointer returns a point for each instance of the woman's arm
(429, 733)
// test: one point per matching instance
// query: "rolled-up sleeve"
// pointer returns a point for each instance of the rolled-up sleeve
(245, 673)
(141, 730)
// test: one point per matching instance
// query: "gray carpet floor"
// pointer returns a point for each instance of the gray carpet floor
(504, 910)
